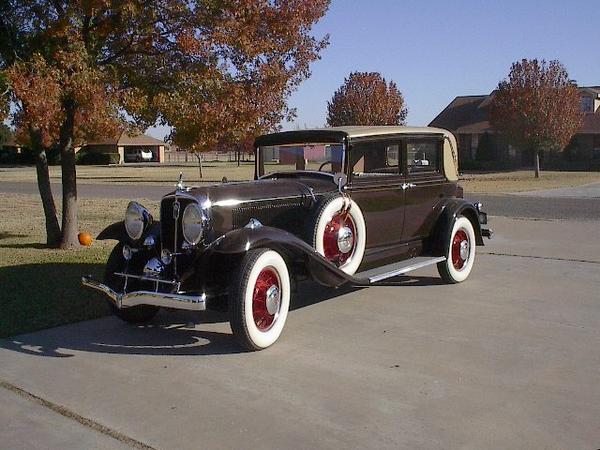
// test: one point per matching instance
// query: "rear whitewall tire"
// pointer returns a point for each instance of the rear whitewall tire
(449, 272)
(241, 299)
(326, 213)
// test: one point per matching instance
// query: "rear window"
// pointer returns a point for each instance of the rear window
(423, 156)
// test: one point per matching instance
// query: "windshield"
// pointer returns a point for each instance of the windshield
(290, 158)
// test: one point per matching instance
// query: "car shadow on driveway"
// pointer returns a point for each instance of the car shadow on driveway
(171, 333)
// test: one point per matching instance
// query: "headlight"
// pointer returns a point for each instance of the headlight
(137, 218)
(193, 223)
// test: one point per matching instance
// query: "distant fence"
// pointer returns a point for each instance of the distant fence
(183, 157)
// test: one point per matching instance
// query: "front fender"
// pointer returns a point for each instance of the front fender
(115, 231)
(243, 239)
(118, 232)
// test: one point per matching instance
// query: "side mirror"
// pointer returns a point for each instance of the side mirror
(341, 180)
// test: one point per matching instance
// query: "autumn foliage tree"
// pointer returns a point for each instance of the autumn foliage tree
(215, 71)
(365, 98)
(537, 107)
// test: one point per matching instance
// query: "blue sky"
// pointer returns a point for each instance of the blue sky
(435, 50)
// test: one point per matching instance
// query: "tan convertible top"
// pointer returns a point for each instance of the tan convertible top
(338, 134)
(366, 131)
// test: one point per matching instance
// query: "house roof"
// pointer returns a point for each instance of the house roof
(125, 140)
(594, 90)
(469, 114)
(465, 114)
(11, 142)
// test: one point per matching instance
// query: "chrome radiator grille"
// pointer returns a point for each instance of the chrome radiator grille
(168, 222)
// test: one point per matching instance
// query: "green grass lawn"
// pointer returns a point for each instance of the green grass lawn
(40, 287)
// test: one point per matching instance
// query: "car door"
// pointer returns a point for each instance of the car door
(376, 186)
(425, 183)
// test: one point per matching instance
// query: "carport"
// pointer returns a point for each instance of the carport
(130, 148)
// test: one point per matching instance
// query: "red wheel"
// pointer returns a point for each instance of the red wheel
(338, 232)
(460, 249)
(339, 240)
(461, 252)
(266, 299)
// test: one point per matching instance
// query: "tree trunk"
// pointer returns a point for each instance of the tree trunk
(43, 179)
(536, 162)
(239, 156)
(69, 179)
(199, 156)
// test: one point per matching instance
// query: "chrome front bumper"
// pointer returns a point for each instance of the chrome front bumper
(135, 298)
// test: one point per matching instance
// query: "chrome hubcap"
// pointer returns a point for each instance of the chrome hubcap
(464, 250)
(345, 240)
(273, 300)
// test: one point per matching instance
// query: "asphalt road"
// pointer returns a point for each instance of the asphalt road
(544, 207)
(508, 359)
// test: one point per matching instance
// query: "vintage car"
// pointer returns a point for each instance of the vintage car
(346, 205)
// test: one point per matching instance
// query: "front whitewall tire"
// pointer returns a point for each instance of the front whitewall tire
(242, 296)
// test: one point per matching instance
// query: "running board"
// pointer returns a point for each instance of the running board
(372, 276)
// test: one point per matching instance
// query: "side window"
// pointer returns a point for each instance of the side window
(423, 156)
(372, 159)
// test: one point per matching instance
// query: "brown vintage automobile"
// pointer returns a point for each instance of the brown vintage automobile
(347, 205)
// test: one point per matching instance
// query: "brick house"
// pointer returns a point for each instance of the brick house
(467, 118)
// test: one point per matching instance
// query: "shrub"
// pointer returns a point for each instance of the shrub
(26, 156)
(8, 156)
(93, 158)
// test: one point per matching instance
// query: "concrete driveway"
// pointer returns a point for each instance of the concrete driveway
(508, 359)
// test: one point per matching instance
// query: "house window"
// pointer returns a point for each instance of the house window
(474, 145)
(587, 104)
(596, 147)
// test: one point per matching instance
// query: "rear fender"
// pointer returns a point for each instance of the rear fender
(443, 228)
(241, 240)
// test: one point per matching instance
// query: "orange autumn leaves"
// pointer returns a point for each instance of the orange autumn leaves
(217, 72)
(537, 106)
(366, 98)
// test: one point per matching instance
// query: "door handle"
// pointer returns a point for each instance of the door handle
(406, 186)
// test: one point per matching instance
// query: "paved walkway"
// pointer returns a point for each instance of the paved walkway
(127, 191)
(591, 190)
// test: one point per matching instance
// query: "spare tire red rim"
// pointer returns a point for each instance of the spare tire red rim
(339, 238)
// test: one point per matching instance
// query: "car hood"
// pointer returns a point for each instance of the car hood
(234, 193)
